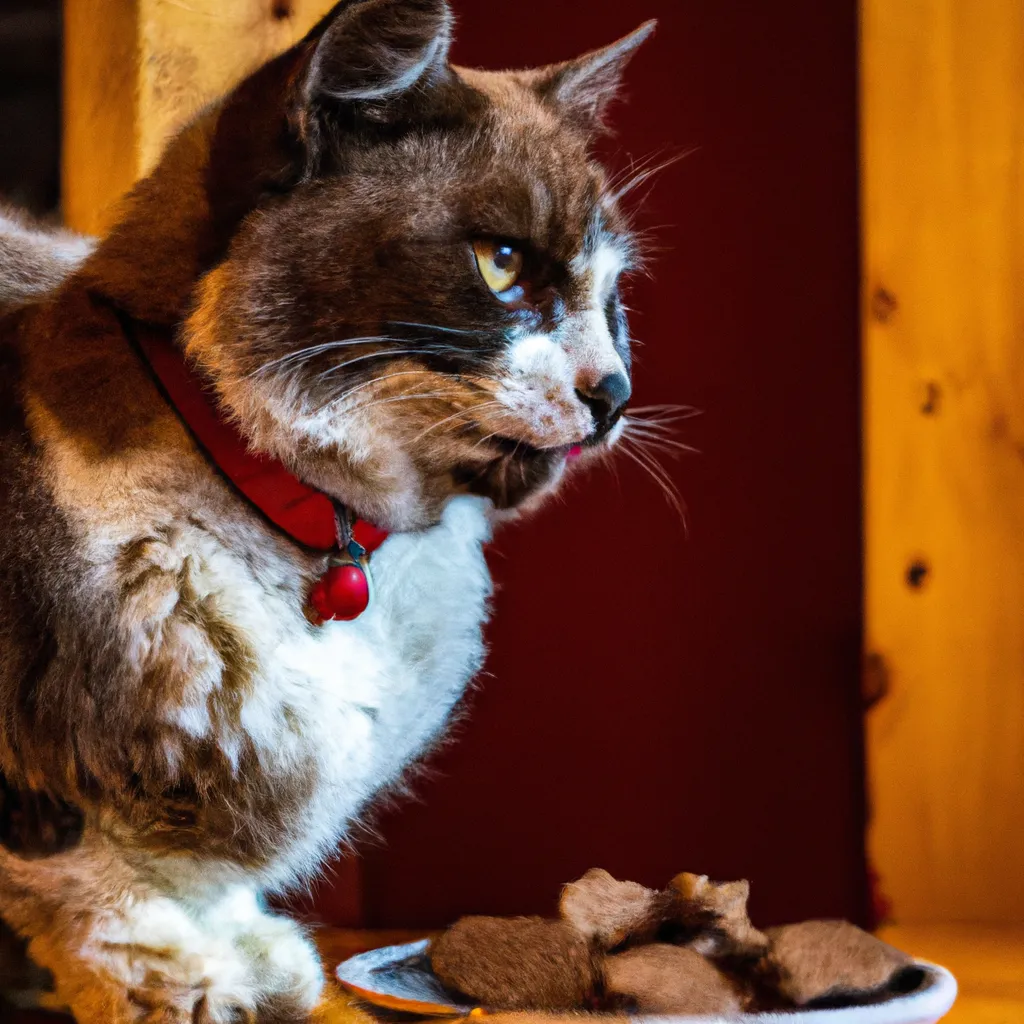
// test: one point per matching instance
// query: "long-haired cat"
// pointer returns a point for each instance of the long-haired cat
(398, 280)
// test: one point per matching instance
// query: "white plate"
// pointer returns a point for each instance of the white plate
(399, 977)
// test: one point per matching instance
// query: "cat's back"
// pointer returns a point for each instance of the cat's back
(34, 259)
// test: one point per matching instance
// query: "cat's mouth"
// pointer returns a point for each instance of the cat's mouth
(514, 472)
(519, 470)
(509, 447)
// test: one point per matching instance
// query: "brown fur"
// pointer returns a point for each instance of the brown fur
(831, 960)
(671, 979)
(610, 912)
(718, 912)
(34, 261)
(516, 963)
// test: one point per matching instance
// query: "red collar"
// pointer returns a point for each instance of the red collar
(310, 517)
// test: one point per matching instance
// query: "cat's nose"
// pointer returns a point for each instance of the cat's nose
(606, 400)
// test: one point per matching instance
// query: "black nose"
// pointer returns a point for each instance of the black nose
(607, 400)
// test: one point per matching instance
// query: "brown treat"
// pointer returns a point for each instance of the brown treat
(516, 963)
(819, 960)
(712, 917)
(608, 912)
(670, 979)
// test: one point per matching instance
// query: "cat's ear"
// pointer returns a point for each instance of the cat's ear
(582, 89)
(372, 57)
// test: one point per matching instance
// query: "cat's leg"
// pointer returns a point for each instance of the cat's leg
(120, 949)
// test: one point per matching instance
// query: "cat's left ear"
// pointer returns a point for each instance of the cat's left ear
(373, 58)
(582, 89)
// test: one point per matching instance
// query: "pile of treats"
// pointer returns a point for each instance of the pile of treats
(689, 948)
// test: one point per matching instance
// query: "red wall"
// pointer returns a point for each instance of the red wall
(657, 700)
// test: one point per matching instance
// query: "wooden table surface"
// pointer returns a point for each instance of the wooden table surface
(987, 962)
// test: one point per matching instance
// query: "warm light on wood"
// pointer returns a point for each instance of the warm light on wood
(943, 191)
(136, 70)
(988, 962)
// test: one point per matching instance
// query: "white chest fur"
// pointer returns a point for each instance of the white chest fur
(365, 698)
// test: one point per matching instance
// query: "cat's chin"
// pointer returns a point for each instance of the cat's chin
(522, 477)
(519, 475)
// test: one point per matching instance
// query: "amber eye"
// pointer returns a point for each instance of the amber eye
(500, 264)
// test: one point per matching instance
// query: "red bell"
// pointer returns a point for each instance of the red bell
(343, 592)
(348, 591)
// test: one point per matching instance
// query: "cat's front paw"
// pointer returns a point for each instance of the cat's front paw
(147, 964)
(282, 964)
(157, 1005)
(285, 967)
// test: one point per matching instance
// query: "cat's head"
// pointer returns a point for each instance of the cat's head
(422, 299)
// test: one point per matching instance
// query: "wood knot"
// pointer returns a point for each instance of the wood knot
(917, 573)
(281, 9)
(884, 305)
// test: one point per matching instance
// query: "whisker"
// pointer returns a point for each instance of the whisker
(634, 166)
(377, 380)
(392, 353)
(313, 350)
(662, 444)
(665, 424)
(486, 438)
(657, 473)
(644, 175)
(438, 327)
(653, 429)
(662, 413)
(310, 351)
(651, 460)
(657, 430)
(362, 407)
(460, 412)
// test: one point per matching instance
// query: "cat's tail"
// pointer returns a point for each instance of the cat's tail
(34, 260)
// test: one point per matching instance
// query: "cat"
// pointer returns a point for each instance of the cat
(400, 279)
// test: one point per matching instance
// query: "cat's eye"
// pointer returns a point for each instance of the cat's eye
(500, 263)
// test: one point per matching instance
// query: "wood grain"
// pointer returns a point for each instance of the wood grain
(137, 70)
(100, 116)
(988, 963)
(943, 209)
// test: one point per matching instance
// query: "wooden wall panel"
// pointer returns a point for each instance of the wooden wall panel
(100, 115)
(136, 70)
(943, 208)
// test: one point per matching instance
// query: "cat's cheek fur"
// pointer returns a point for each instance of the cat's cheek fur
(339, 447)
